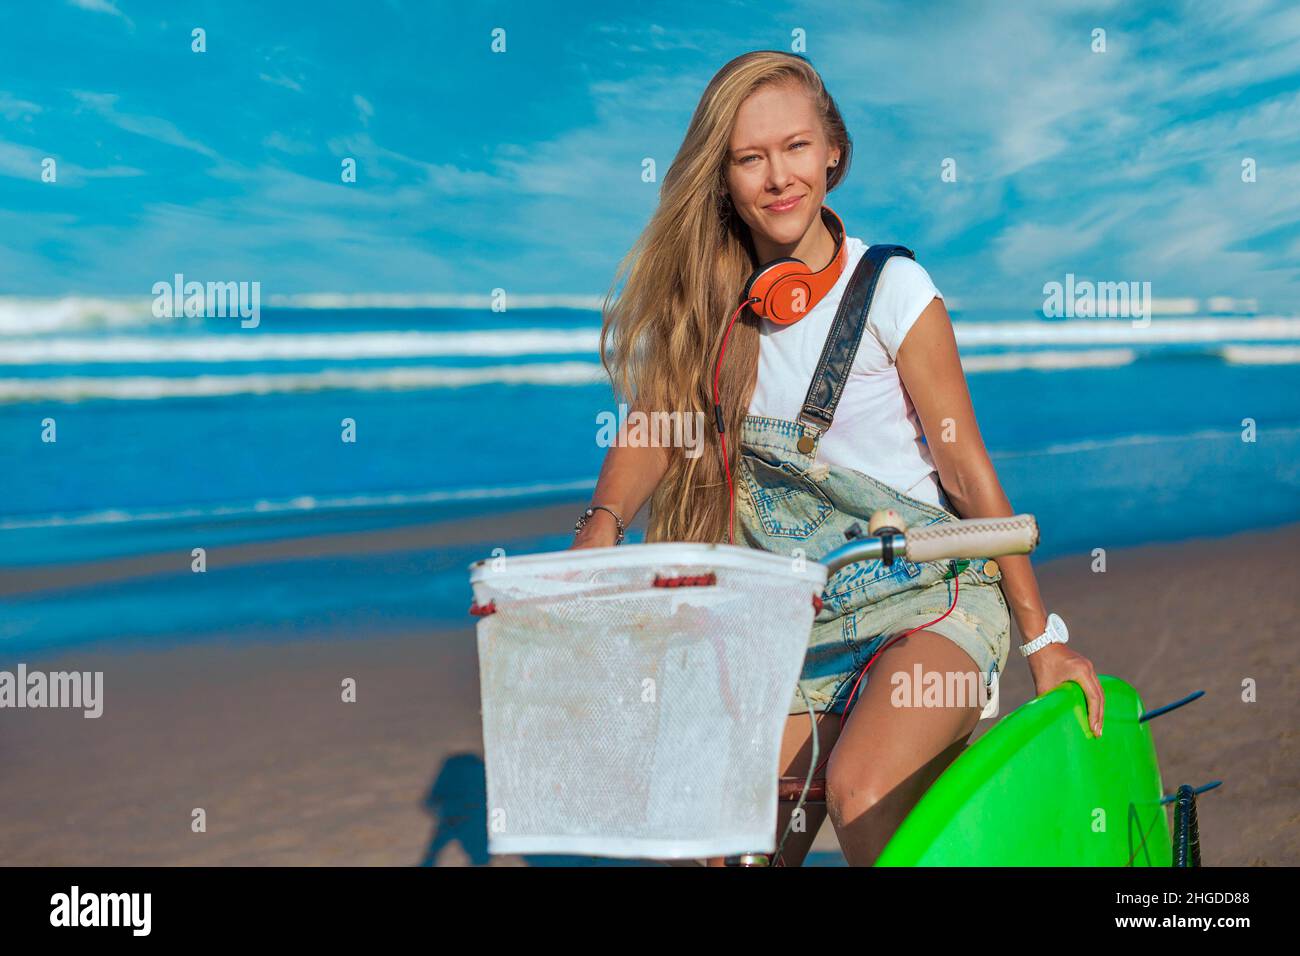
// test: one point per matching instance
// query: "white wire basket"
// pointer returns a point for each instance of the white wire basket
(634, 697)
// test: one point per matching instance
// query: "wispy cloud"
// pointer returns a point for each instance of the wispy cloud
(380, 164)
(364, 110)
(281, 80)
(12, 108)
(102, 6)
(25, 162)
(151, 127)
(284, 143)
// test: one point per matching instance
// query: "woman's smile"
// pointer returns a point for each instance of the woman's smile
(786, 204)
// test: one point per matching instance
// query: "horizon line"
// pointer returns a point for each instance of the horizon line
(1180, 305)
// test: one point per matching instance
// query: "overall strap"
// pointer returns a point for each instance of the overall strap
(842, 344)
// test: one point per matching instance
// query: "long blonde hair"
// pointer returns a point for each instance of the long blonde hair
(660, 340)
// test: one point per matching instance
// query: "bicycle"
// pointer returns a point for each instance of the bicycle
(569, 610)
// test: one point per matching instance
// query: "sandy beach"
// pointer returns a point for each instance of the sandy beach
(256, 733)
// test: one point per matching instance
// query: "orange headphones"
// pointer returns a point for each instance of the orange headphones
(785, 290)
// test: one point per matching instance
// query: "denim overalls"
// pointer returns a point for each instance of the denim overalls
(790, 503)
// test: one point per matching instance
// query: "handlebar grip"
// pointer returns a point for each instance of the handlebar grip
(972, 538)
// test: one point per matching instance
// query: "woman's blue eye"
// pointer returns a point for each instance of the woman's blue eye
(755, 155)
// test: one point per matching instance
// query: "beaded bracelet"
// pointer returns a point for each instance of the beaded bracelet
(582, 520)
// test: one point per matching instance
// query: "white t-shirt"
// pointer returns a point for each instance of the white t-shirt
(875, 429)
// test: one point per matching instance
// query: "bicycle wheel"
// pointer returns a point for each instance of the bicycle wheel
(1187, 836)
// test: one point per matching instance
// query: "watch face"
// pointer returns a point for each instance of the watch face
(1056, 627)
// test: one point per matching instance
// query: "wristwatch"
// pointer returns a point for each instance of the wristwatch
(1055, 634)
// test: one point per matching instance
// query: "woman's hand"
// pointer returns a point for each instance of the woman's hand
(600, 531)
(1055, 664)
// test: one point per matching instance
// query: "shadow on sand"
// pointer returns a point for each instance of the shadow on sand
(457, 801)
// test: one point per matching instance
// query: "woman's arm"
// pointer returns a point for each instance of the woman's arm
(930, 368)
(627, 479)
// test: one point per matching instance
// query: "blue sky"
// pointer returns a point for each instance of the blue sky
(523, 170)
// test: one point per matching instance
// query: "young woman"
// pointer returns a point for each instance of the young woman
(765, 145)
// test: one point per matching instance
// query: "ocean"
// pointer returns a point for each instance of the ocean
(172, 435)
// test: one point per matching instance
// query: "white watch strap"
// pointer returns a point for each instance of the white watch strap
(1056, 633)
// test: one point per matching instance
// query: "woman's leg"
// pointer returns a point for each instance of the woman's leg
(889, 753)
(796, 752)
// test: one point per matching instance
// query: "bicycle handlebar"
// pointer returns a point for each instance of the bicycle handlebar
(965, 538)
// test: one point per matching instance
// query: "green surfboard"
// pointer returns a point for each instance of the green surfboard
(1040, 790)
